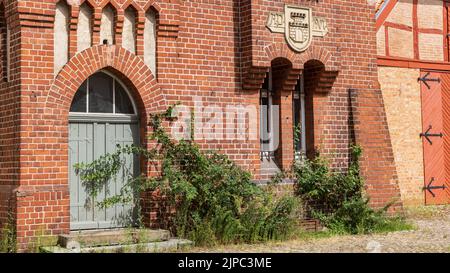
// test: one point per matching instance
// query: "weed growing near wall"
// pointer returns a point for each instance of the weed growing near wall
(338, 200)
(8, 236)
(215, 200)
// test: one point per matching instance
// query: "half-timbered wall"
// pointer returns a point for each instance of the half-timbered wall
(414, 29)
(411, 38)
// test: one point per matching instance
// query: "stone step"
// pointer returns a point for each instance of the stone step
(171, 245)
(270, 171)
(83, 239)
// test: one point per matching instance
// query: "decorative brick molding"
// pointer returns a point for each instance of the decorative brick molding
(315, 52)
(254, 77)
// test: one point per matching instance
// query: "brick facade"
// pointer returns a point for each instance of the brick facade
(401, 93)
(9, 112)
(412, 40)
(218, 51)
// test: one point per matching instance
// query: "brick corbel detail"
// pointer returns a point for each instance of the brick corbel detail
(73, 30)
(120, 18)
(140, 28)
(254, 78)
(31, 18)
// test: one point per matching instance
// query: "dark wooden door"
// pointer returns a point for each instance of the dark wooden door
(435, 135)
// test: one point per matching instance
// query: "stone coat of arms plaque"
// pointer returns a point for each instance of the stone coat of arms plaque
(299, 26)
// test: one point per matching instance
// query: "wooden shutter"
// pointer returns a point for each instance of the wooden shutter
(436, 133)
(445, 89)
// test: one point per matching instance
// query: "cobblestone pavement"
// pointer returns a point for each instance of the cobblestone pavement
(432, 234)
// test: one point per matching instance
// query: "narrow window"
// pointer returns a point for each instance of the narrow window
(84, 37)
(129, 30)
(61, 35)
(299, 120)
(108, 25)
(267, 145)
(150, 40)
(265, 113)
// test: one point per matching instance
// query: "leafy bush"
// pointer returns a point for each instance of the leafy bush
(8, 236)
(337, 199)
(215, 200)
(318, 185)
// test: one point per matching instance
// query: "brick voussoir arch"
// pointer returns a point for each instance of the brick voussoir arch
(155, 5)
(114, 3)
(81, 66)
(314, 52)
(131, 3)
(92, 3)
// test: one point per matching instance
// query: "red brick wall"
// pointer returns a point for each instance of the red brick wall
(217, 50)
(350, 49)
(9, 111)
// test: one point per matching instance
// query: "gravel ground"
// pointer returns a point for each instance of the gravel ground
(432, 234)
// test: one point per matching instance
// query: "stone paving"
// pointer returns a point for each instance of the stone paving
(432, 234)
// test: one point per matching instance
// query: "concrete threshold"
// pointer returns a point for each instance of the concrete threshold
(172, 245)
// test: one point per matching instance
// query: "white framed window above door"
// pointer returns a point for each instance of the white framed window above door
(102, 95)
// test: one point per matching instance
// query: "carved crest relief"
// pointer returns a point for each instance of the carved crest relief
(298, 25)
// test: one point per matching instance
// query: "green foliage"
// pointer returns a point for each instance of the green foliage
(279, 224)
(297, 135)
(337, 199)
(8, 242)
(318, 185)
(215, 200)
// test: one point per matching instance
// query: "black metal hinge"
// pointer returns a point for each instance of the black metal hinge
(427, 135)
(430, 188)
(425, 80)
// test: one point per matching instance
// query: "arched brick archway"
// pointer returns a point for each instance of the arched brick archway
(255, 75)
(132, 72)
(314, 52)
(129, 68)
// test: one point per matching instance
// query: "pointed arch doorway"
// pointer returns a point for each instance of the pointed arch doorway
(102, 116)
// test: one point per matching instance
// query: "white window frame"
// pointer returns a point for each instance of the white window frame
(101, 116)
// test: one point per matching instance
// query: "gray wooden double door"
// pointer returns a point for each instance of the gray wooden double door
(88, 141)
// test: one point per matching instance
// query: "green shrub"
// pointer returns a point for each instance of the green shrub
(8, 242)
(280, 223)
(215, 200)
(318, 185)
(338, 200)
